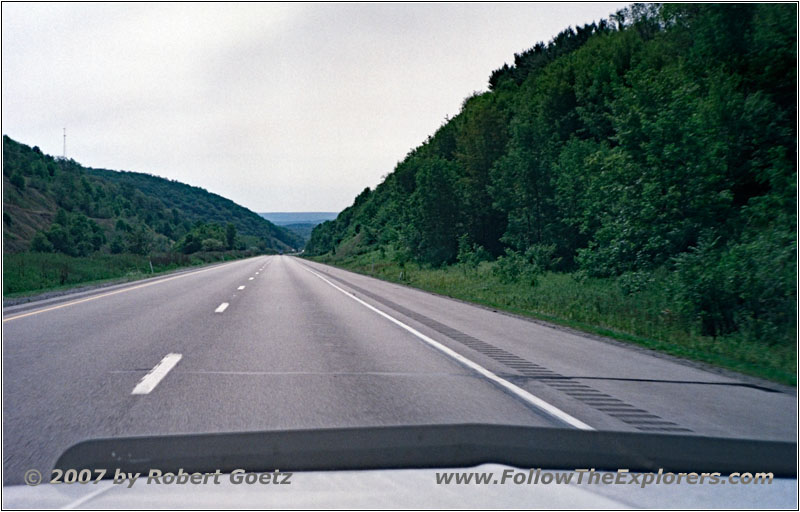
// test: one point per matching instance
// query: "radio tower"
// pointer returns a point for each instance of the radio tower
(65, 143)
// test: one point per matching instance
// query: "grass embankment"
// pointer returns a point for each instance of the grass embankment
(595, 305)
(29, 273)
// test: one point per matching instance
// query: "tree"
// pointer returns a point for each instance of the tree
(480, 141)
(434, 213)
(40, 243)
(59, 239)
(139, 241)
(230, 235)
(117, 245)
(18, 180)
(212, 244)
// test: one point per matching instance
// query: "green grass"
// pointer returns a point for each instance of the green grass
(29, 273)
(594, 305)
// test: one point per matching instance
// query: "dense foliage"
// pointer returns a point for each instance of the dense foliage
(659, 143)
(56, 205)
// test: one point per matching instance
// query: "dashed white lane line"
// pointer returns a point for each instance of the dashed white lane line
(159, 371)
(250, 278)
(526, 396)
(95, 297)
(240, 288)
(222, 307)
(256, 273)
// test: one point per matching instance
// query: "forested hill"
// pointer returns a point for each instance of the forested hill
(198, 204)
(78, 210)
(660, 142)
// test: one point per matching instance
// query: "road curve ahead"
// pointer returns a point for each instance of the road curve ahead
(276, 342)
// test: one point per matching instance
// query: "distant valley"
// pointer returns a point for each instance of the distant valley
(300, 223)
(287, 218)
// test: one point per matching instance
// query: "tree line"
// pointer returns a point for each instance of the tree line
(660, 142)
(57, 205)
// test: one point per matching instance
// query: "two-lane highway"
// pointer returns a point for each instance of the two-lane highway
(277, 343)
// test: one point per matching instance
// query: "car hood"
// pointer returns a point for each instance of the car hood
(396, 467)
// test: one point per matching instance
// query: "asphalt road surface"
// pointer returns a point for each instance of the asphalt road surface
(276, 342)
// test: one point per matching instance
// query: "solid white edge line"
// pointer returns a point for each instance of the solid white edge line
(514, 389)
(154, 376)
(222, 307)
(241, 288)
(115, 292)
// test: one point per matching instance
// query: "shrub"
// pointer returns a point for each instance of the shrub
(542, 257)
(471, 255)
(212, 244)
(747, 286)
(514, 267)
(117, 245)
(40, 243)
(634, 281)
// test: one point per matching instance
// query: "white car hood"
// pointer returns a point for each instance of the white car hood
(404, 489)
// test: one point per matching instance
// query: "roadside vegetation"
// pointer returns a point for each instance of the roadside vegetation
(28, 273)
(634, 177)
(64, 224)
(648, 315)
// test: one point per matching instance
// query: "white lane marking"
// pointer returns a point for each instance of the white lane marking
(159, 371)
(250, 278)
(256, 273)
(93, 297)
(240, 288)
(516, 390)
(222, 307)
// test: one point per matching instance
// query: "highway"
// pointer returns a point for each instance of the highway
(277, 342)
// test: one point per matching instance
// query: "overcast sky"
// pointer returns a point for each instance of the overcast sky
(279, 107)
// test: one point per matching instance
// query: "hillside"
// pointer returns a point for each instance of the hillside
(646, 161)
(197, 204)
(117, 211)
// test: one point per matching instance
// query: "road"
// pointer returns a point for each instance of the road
(276, 342)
